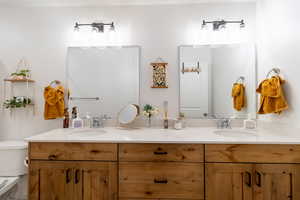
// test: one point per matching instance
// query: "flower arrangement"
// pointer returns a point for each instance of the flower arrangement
(150, 111)
(17, 102)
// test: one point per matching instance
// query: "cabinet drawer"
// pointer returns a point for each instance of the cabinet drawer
(161, 180)
(73, 151)
(150, 199)
(252, 153)
(161, 152)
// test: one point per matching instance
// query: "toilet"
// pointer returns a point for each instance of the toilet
(12, 166)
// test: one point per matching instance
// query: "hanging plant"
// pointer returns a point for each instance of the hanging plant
(17, 102)
(21, 74)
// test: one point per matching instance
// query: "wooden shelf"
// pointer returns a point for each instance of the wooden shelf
(27, 106)
(19, 80)
(159, 87)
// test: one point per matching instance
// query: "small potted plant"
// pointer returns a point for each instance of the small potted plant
(21, 74)
(150, 111)
(17, 102)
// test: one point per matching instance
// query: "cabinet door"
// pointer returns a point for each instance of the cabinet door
(277, 182)
(50, 181)
(228, 181)
(99, 180)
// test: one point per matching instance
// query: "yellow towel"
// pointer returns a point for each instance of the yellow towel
(272, 98)
(54, 102)
(238, 95)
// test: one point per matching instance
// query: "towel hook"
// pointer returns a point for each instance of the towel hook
(55, 82)
(241, 79)
(274, 70)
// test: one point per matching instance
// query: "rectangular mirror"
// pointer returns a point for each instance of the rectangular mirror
(207, 76)
(102, 80)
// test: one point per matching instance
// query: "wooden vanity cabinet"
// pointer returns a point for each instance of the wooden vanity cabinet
(56, 180)
(90, 171)
(228, 181)
(161, 171)
(252, 172)
(93, 171)
(73, 171)
(276, 182)
(50, 180)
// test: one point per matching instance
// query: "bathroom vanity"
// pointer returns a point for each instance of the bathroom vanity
(167, 164)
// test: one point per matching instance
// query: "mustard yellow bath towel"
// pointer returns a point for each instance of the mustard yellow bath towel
(272, 99)
(54, 102)
(238, 95)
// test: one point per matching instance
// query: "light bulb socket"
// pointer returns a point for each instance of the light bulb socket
(112, 27)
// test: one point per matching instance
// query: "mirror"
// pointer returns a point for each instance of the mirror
(207, 75)
(103, 80)
(128, 114)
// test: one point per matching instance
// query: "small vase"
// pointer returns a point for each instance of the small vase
(149, 122)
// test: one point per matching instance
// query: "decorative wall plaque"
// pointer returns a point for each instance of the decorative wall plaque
(159, 75)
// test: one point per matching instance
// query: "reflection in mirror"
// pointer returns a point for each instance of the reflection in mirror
(217, 81)
(103, 80)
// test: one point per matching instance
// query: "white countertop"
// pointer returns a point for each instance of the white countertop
(200, 135)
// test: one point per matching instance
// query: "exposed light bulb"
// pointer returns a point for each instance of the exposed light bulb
(203, 24)
(242, 25)
(76, 27)
(112, 27)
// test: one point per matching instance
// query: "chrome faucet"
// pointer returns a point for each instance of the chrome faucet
(224, 123)
(98, 122)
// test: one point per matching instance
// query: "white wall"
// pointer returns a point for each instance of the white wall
(42, 35)
(279, 46)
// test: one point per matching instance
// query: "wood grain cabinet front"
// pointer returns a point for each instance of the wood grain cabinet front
(228, 181)
(64, 180)
(73, 151)
(162, 152)
(93, 171)
(276, 182)
(163, 180)
(252, 153)
(236, 181)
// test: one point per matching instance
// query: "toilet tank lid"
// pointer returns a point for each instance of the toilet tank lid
(10, 145)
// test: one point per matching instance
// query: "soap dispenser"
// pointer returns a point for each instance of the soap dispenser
(77, 122)
(87, 121)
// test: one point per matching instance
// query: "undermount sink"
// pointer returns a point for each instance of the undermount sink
(234, 132)
(87, 132)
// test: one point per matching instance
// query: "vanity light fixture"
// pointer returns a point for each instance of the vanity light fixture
(98, 27)
(220, 24)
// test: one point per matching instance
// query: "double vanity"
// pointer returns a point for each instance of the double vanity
(151, 163)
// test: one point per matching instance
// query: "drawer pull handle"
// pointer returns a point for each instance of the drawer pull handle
(248, 179)
(77, 176)
(160, 151)
(52, 157)
(258, 178)
(68, 176)
(164, 181)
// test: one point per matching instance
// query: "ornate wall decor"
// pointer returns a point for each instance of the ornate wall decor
(159, 75)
